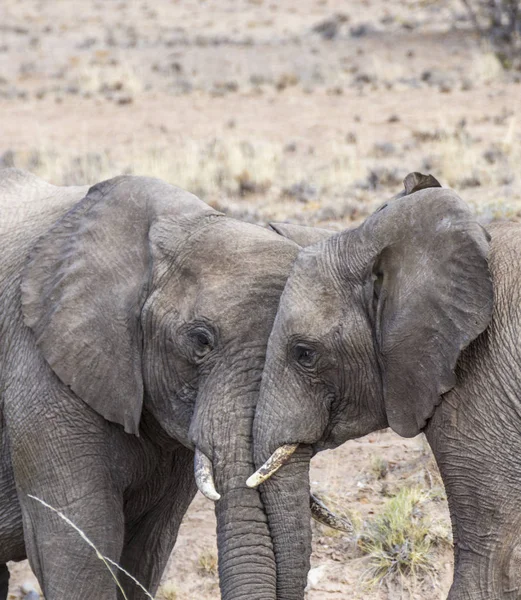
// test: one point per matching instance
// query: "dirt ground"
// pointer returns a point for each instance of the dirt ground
(311, 111)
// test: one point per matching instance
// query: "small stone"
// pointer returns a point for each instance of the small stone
(125, 100)
(316, 575)
(27, 587)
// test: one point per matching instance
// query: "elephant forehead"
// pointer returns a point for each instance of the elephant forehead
(234, 250)
(230, 271)
(309, 306)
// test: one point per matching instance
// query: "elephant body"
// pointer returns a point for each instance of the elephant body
(133, 326)
(413, 321)
(475, 434)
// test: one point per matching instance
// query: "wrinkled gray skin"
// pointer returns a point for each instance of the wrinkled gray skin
(133, 326)
(411, 320)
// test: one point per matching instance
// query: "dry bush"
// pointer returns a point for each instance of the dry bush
(400, 541)
(168, 591)
(379, 466)
(207, 563)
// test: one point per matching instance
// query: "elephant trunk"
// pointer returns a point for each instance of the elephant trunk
(221, 431)
(283, 434)
(286, 500)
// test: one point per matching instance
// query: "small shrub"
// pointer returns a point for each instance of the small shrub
(207, 563)
(167, 592)
(379, 467)
(398, 541)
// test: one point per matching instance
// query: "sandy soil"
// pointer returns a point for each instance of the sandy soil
(332, 104)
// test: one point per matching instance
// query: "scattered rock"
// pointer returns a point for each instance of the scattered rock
(7, 159)
(29, 591)
(470, 182)
(315, 576)
(360, 30)
(122, 100)
(329, 28)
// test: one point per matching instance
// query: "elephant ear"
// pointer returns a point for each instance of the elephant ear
(301, 234)
(432, 295)
(414, 182)
(418, 181)
(84, 286)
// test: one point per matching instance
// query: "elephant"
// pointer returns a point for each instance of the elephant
(411, 320)
(134, 320)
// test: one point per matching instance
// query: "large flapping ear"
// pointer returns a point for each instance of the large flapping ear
(302, 234)
(84, 286)
(432, 295)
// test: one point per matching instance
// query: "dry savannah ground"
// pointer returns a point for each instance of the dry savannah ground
(307, 110)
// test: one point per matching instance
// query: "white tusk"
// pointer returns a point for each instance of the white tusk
(272, 465)
(321, 513)
(203, 471)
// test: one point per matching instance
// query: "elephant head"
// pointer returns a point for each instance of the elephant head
(368, 332)
(154, 308)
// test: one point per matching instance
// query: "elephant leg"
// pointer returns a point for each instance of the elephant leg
(64, 563)
(152, 531)
(4, 582)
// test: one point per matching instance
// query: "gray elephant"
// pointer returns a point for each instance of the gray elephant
(134, 320)
(411, 320)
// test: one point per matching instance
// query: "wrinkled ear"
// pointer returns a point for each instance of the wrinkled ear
(432, 295)
(301, 234)
(85, 284)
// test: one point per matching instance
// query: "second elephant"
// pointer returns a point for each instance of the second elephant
(411, 320)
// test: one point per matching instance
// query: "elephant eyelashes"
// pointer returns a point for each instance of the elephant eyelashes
(305, 356)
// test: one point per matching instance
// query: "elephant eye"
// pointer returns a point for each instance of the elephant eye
(202, 342)
(305, 356)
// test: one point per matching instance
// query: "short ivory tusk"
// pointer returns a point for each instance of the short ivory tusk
(203, 471)
(321, 513)
(279, 458)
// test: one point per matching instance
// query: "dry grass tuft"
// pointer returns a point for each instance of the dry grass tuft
(379, 466)
(168, 591)
(207, 563)
(400, 542)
